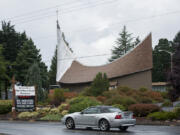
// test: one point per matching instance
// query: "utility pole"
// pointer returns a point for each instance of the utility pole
(13, 81)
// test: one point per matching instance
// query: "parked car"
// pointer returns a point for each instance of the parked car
(103, 117)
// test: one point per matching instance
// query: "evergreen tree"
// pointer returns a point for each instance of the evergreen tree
(27, 55)
(11, 42)
(33, 78)
(174, 93)
(123, 44)
(3, 75)
(53, 69)
(19, 54)
(174, 78)
(136, 42)
(161, 61)
(99, 84)
(176, 40)
(44, 75)
(2, 65)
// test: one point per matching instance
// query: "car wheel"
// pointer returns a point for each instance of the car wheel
(123, 128)
(104, 125)
(70, 123)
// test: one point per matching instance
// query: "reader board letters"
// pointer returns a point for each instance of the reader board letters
(24, 98)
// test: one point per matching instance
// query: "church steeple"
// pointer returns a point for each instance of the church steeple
(57, 20)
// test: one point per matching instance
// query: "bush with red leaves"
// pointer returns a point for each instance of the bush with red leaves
(142, 110)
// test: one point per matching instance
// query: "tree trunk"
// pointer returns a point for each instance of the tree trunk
(0, 89)
(6, 91)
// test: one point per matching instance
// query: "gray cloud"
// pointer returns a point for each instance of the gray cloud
(93, 30)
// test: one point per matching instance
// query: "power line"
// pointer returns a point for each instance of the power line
(52, 14)
(37, 11)
(46, 11)
(82, 57)
(116, 23)
(103, 2)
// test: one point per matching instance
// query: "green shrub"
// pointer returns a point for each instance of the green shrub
(145, 100)
(124, 89)
(63, 107)
(101, 98)
(121, 107)
(164, 95)
(86, 92)
(123, 100)
(44, 110)
(28, 115)
(162, 116)
(42, 103)
(177, 111)
(177, 105)
(5, 106)
(52, 117)
(54, 111)
(80, 103)
(142, 110)
(57, 97)
(99, 84)
(64, 112)
(110, 94)
(142, 89)
(167, 103)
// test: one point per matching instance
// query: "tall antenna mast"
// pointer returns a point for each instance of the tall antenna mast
(57, 13)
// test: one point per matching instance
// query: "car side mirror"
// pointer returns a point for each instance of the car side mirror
(82, 112)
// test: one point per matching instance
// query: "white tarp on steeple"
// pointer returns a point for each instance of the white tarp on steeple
(65, 55)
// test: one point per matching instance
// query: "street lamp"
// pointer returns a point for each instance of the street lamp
(171, 54)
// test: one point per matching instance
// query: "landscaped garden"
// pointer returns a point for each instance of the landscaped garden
(142, 102)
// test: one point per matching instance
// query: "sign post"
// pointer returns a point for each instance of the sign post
(13, 98)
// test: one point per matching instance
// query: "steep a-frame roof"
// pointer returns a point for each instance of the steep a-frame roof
(137, 60)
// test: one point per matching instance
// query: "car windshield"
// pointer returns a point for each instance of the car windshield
(114, 109)
(110, 110)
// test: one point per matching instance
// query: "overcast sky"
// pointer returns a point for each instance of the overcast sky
(91, 26)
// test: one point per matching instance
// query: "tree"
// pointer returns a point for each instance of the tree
(176, 40)
(136, 42)
(123, 44)
(53, 69)
(33, 78)
(3, 75)
(44, 75)
(19, 53)
(174, 77)
(99, 84)
(57, 97)
(11, 42)
(27, 55)
(161, 61)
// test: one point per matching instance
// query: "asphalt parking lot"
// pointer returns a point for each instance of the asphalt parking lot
(56, 128)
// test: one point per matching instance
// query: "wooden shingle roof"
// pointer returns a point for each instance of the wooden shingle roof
(137, 60)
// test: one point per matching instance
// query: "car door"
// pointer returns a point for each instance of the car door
(88, 117)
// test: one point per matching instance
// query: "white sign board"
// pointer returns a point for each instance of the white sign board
(25, 90)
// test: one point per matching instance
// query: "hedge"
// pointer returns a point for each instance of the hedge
(5, 106)
(80, 103)
(163, 116)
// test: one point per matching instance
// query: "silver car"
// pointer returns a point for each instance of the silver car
(103, 117)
